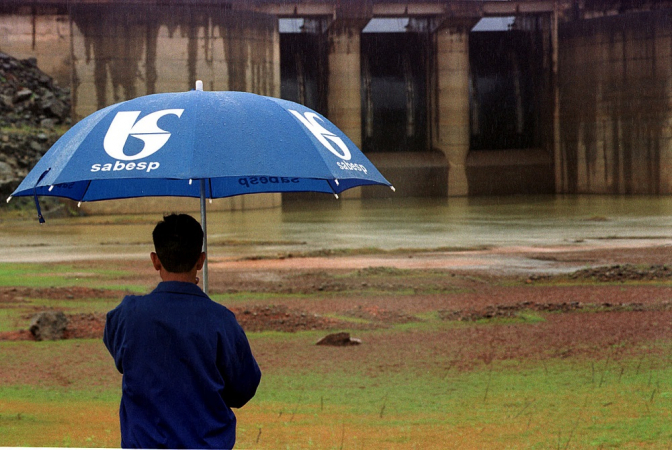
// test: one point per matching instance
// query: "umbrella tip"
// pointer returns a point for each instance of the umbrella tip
(393, 189)
(199, 85)
(9, 198)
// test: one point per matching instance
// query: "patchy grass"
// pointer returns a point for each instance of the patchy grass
(62, 422)
(57, 275)
(342, 403)
(517, 382)
(89, 305)
(500, 406)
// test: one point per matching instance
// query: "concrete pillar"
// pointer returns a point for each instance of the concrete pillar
(558, 162)
(452, 102)
(344, 103)
(344, 97)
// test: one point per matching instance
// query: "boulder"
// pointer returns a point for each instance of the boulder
(47, 123)
(48, 325)
(7, 101)
(22, 94)
(338, 340)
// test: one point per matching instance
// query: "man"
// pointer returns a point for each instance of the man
(185, 359)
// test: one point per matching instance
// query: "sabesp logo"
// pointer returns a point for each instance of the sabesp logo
(309, 119)
(146, 129)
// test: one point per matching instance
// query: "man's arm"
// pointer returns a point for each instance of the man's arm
(113, 336)
(238, 367)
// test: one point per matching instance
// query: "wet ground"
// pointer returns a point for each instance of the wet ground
(414, 252)
(475, 233)
(342, 292)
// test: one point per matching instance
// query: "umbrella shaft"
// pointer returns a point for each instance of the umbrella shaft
(204, 225)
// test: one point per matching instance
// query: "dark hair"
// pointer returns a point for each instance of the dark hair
(178, 241)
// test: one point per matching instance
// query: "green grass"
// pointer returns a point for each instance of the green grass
(57, 275)
(13, 319)
(27, 393)
(506, 405)
(88, 305)
(16, 316)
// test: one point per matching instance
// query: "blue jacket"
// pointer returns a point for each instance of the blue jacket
(185, 362)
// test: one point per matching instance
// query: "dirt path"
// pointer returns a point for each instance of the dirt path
(502, 260)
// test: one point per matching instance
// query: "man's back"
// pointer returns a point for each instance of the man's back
(186, 362)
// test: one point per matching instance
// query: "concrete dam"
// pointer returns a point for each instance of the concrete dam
(447, 98)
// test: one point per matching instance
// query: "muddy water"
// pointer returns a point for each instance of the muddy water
(456, 223)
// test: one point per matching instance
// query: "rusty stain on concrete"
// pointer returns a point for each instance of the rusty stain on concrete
(615, 104)
(121, 42)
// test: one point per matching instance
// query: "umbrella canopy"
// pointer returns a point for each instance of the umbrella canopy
(231, 143)
(240, 143)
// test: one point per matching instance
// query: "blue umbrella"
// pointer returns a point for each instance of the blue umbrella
(199, 144)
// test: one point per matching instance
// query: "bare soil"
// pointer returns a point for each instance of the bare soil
(627, 293)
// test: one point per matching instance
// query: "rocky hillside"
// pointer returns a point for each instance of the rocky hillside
(33, 111)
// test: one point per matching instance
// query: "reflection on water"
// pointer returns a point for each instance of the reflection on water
(336, 224)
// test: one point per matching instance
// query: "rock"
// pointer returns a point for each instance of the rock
(28, 95)
(47, 123)
(32, 106)
(7, 101)
(36, 147)
(6, 172)
(338, 340)
(55, 108)
(23, 94)
(48, 325)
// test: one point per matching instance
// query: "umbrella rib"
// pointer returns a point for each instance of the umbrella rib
(88, 185)
(333, 191)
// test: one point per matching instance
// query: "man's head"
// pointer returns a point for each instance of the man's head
(178, 241)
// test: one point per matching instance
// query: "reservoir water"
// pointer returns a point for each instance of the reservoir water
(388, 224)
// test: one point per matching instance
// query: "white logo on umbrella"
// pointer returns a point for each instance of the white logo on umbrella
(309, 119)
(124, 125)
